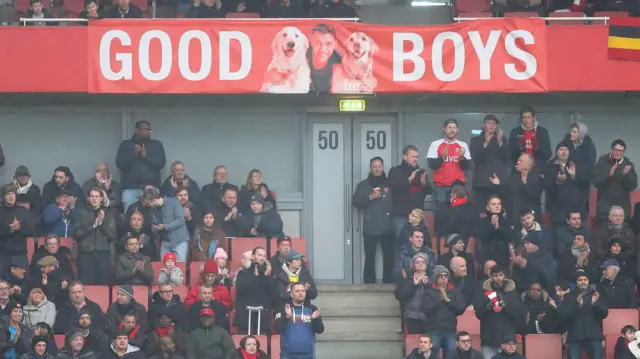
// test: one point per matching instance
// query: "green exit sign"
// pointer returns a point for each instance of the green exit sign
(352, 105)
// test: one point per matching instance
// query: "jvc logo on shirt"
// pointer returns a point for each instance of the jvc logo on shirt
(452, 159)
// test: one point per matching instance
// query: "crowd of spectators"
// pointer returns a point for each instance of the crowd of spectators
(118, 229)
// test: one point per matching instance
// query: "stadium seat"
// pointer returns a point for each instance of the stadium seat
(31, 247)
(617, 319)
(275, 347)
(262, 339)
(543, 346)
(72, 8)
(521, 14)
(476, 342)
(194, 272)
(140, 293)
(142, 4)
(98, 294)
(240, 245)
(59, 339)
(469, 323)
(474, 14)
(232, 329)
(609, 344)
(566, 22)
(473, 6)
(299, 244)
(158, 265)
(242, 15)
(635, 198)
(429, 221)
(181, 291)
(233, 293)
(411, 341)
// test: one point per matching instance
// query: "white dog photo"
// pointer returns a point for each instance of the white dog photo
(355, 74)
(289, 61)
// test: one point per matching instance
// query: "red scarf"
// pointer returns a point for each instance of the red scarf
(458, 201)
(246, 355)
(163, 332)
(133, 332)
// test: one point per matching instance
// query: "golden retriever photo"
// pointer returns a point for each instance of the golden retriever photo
(355, 74)
(288, 71)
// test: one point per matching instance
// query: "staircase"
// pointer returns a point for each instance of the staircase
(361, 322)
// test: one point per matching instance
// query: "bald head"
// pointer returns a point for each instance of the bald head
(487, 267)
(458, 266)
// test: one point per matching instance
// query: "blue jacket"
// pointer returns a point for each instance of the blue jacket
(58, 221)
(404, 260)
(298, 333)
(193, 189)
(267, 223)
(173, 221)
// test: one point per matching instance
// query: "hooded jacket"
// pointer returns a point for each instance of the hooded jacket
(116, 313)
(406, 255)
(542, 152)
(442, 316)
(614, 190)
(298, 333)
(138, 171)
(45, 311)
(535, 307)
(29, 194)
(585, 322)
(377, 212)
(488, 160)
(51, 190)
(210, 343)
(494, 326)
(244, 199)
(91, 239)
(15, 243)
(283, 280)
(268, 223)
(175, 308)
(252, 290)
(175, 277)
(584, 153)
(167, 190)
(406, 195)
(126, 273)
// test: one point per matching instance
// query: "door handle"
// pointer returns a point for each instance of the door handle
(347, 208)
(357, 220)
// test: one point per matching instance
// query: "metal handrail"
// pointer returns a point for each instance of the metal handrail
(584, 18)
(25, 20)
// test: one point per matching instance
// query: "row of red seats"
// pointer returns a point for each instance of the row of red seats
(544, 346)
(268, 346)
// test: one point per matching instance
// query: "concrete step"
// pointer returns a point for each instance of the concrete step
(364, 300)
(361, 329)
(359, 350)
(356, 288)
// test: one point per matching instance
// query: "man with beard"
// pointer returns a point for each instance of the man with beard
(373, 196)
(583, 311)
(140, 161)
(16, 225)
(540, 311)
(499, 311)
(180, 179)
(125, 304)
(27, 194)
(94, 337)
(533, 264)
(62, 179)
(206, 301)
(254, 286)
(580, 257)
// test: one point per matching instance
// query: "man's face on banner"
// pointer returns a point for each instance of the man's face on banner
(322, 46)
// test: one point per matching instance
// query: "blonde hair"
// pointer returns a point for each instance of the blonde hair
(420, 213)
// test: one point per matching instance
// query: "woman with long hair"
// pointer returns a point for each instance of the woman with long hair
(254, 185)
(207, 238)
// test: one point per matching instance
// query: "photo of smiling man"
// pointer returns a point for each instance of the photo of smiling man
(322, 57)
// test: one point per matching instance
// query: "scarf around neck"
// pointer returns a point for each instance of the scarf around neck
(213, 243)
(290, 273)
(163, 332)
(246, 355)
(458, 202)
(615, 230)
(22, 190)
(581, 254)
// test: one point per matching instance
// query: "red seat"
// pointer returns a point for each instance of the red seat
(140, 294)
(429, 221)
(411, 341)
(521, 14)
(64, 242)
(609, 345)
(73, 8)
(240, 245)
(469, 323)
(299, 244)
(635, 198)
(233, 294)
(243, 15)
(566, 22)
(608, 14)
(545, 219)
(98, 294)
(475, 14)
(617, 319)
(142, 4)
(474, 6)
(30, 240)
(59, 339)
(275, 347)
(262, 339)
(476, 342)
(158, 265)
(232, 329)
(181, 291)
(543, 346)
(194, 272)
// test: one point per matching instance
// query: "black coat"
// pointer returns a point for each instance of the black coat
(469, 286)
(193, 315)
(23, 345)
(614, 190)
(583, 323)
(541, 268)
(66, 318)
(445, 260)
(534, 308)
(34, 198)
(458, 219)
(51, 190)
(244, 199)
(282, 285)
(138, 171)
(53, 289)
(98, 342)
(180, 339)
(15, 243)
(518, 196)
(211, 195)
(230, 227)
(63, 255)
(619, 293)
(568, 264)
(252, 290)
(542, 154)
(494, 243)
(565, 196)
(377, 212)
(494, 326)
(175, 308)
(406, 195)
(116, 313)
(442, 317)
(488, 160)
(415, 354)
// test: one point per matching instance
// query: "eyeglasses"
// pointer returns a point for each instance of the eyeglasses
(4, 288)
(467, 341)
(166, 291)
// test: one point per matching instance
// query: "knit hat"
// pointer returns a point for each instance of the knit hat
(8, 189)
(439, 269)
(11, 306)
(38, 339)
(453, 238)
(126, 290)
(210, 267)
(616, 240)
(220, 253)
(73, 335)
(169, 255)
(247, 254)
(257, 198)
(283, 239)
(534, 237)
(580, 273)
(509, 338)
(567, 144)
(19, 262)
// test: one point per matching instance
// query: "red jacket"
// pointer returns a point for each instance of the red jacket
(220, 293)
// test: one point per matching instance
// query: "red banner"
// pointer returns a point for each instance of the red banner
(172, 56)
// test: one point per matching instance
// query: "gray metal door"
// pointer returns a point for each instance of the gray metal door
(340, 147)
